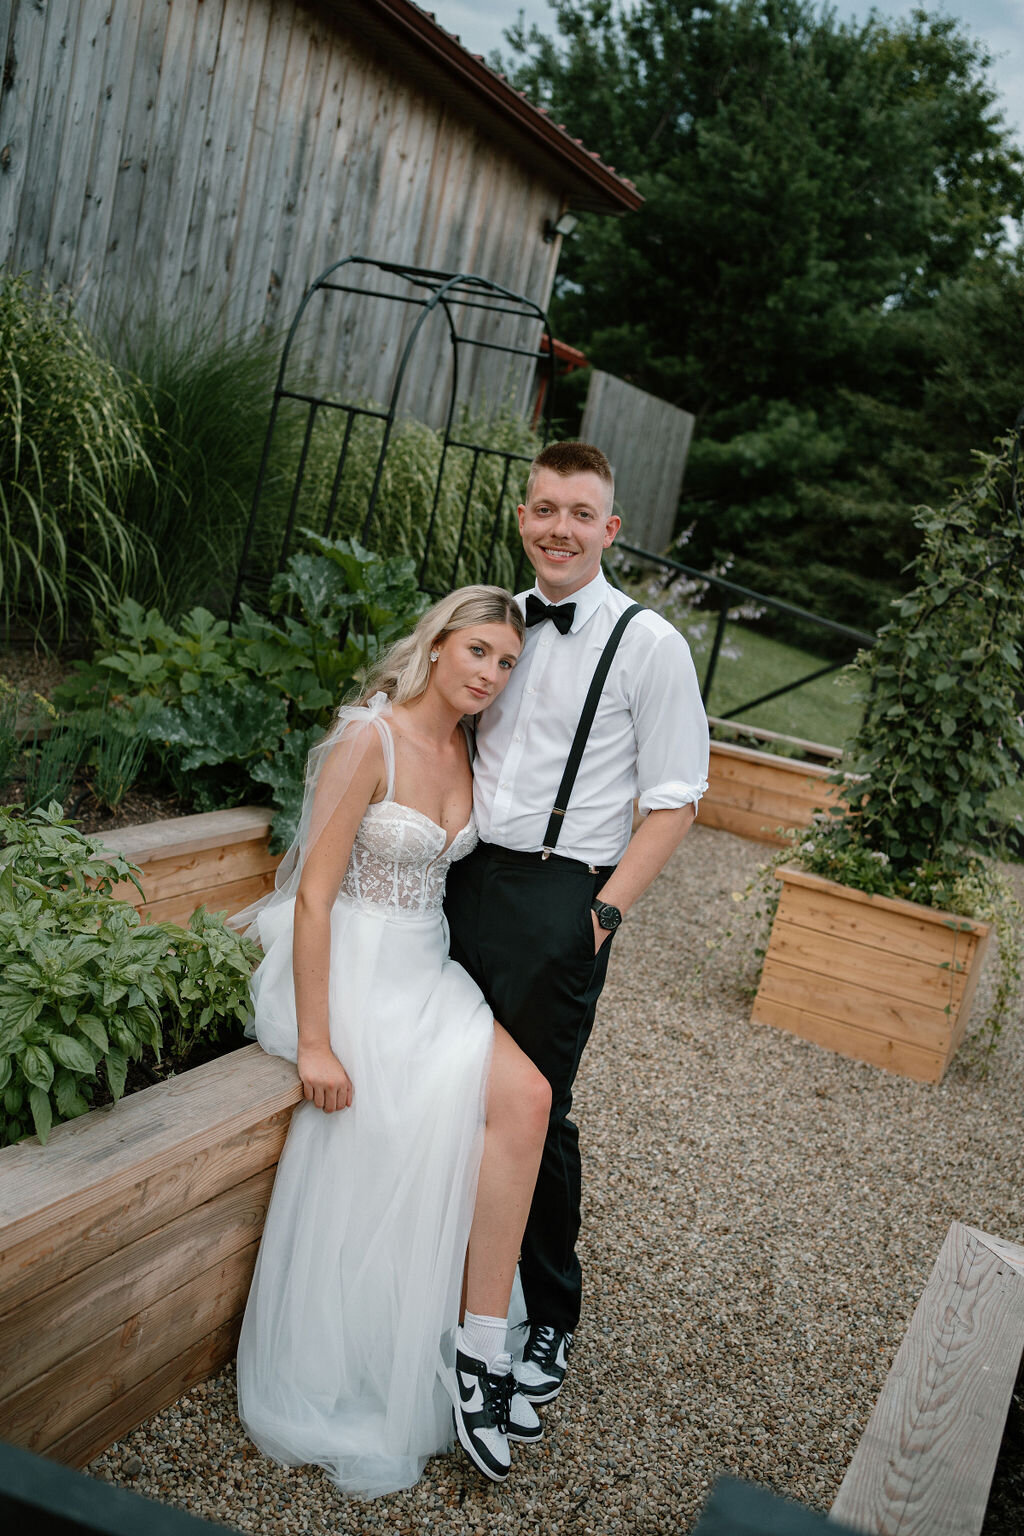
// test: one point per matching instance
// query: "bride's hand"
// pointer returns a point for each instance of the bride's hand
(324, 1080)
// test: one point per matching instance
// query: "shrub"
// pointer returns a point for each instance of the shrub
(71, 445)
(230, 715)
(85, 986)
(942, 731)
(464, 545)
(206, 400)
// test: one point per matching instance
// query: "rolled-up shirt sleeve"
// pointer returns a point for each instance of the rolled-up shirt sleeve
(671, 728)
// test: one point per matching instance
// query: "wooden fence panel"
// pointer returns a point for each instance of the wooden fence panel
(647, 441)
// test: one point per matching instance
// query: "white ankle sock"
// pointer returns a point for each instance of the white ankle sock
(483, 1336)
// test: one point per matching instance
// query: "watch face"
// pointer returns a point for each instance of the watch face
(608, 917)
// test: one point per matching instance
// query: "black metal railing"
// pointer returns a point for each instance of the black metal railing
(729, 593)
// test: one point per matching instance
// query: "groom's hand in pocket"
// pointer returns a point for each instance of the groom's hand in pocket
(601, 935)
(325, 1082)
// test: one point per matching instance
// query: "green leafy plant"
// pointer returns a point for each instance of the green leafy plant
(114, 752)
(52, 762)
(210, 989)
(71, 446)
(942, 730)
(85, 986)
(230, 715)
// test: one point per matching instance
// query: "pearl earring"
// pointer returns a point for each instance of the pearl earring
(434, 655)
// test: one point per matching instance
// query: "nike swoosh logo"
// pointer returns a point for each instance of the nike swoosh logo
(473, 1397)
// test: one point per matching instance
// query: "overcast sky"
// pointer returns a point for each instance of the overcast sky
(998, 23)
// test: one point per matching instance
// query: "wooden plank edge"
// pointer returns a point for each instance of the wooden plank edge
(148, 1397)
(846, 1004)
(721, 817)
(877, 1050)
(927, 982)
(65, 1250)
(1008, 1253)
(831, 920)
(153, 841)
(101, 1371)
(763, 734)
(41, 1184)
(61, 1319)
(244, 862)
(229, 896)
(950, 920)
(863, 1498)
(769, 760)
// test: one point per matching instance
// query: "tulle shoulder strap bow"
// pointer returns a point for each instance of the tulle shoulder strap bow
(330, 768)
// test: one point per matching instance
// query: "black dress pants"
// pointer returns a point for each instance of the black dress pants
(523, 929)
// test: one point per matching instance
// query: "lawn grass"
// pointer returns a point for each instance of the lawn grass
(751, 664)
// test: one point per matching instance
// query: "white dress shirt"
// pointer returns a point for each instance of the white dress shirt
(649, 738)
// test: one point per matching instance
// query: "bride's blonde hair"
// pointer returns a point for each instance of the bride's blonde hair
(403, 670)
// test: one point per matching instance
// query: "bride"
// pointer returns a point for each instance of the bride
(406, 1178)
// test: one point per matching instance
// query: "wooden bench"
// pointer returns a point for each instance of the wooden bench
(924, 1465)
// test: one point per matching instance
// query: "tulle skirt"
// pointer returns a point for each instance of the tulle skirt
(348, 1337)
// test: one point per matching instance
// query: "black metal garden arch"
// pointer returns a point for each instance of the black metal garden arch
(454, 296)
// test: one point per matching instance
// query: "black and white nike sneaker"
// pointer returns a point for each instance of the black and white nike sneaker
(481, 1413)
(523, 1419)
(540, 1373)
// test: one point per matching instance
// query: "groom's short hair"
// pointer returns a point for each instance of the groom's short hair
(573, 457)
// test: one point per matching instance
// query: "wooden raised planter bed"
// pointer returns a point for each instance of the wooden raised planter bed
(754, 794)
(127, 1243)
(925, 1462)
(885, 981)
(219, 859)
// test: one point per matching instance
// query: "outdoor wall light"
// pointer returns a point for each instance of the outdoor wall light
(562, 226)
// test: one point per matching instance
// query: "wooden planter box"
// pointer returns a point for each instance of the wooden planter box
(127, 1245)
(755, 793)
(884, 981)
(219, 860)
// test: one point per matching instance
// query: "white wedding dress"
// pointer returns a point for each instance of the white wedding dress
(349, 1328)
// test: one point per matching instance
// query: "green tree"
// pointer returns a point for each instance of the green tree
(813, 193)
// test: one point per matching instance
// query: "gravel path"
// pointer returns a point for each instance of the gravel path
(760, 1219)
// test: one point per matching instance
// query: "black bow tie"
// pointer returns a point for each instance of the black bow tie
(560, 616)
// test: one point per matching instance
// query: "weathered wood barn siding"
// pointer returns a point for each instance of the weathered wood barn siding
(209, 159)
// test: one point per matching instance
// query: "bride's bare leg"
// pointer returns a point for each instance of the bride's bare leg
(518, 1106)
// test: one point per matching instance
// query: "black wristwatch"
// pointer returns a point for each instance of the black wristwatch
(608, 917)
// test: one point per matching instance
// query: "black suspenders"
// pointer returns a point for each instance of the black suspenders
(579, 742)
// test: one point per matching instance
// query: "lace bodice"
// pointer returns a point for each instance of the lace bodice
(399, 860)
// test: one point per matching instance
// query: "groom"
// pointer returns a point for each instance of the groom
(534, 926)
